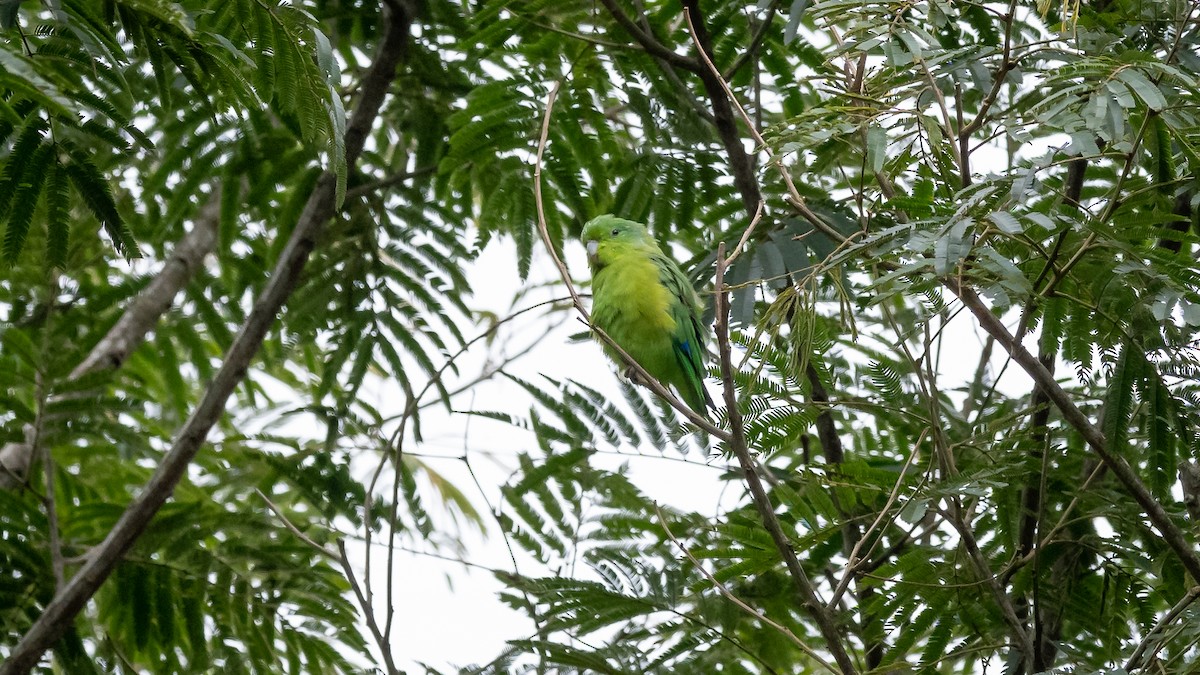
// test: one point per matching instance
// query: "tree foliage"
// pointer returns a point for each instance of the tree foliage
(903, 176)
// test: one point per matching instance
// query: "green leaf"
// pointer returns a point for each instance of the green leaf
(93, 188)
(1144, 88)
(26, 200)
(58, 223)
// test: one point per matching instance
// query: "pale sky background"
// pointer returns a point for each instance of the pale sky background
(451, 615)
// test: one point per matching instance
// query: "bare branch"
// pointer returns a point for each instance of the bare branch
(1156, 633)
(369, 617)
(723, 102)
(647, 40)
(760, 34)
(1044, 379)
(857, 558)
(384, 183)
(741, 450)
(155, 299)
(722, 96)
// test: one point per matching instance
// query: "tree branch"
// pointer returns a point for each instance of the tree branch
(59, 615)
(369, 188)
(740, 162)
(155, 299)
(1170, 533)
(741, 450)
(743, 171)
(1134, 661)
(648, 41)
(738, 601)
(760, 34)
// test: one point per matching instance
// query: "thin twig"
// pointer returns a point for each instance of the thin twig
(644, 378)
(760, 34)
(1133, 484)
(794, 197)
(344, 561)
(741, 245)
(329, 553)
(368, 616)
(854, 561)
(396, 179)
(736, 600)
(647, 40)
(738, 445)
(1006, 64)
(1159, 628)
(38, 443)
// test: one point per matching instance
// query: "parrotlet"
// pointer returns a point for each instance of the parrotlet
(645, 303)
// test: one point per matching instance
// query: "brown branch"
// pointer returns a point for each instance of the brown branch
(343, 560)
(156, 298)
(1032, 495)
(1006, 64)
(647, 40)
(1044, 379)
(37, 446)
(733, 147)
(755, 43)
(738, 445)
(374, 186)
(60, 614)
(1134, 661)
(722, 102)
(857, 559)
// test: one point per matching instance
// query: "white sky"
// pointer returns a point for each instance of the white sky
(450, 615)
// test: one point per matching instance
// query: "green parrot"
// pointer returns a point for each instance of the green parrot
(643, 301)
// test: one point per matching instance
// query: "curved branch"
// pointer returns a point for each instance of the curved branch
(648, 41)
(766, 511)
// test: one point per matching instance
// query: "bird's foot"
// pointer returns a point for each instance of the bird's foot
(632, 375)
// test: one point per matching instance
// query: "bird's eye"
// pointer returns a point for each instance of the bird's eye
(615, 232)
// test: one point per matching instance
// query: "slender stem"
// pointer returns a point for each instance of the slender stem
(736, 600)
(733, 145)
(760, 34)
(380, 638)
(740, 448)
(647, 40)
(1134, 661)
(1133, 484)
(40, 446)
(854, 562)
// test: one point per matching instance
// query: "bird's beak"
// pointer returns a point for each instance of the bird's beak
(592, 247)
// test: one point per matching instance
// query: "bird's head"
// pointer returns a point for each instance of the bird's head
(607, 236)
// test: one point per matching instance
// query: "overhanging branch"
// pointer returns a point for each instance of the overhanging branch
(60, 614)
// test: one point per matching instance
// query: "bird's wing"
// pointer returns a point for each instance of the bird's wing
(688, 339)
